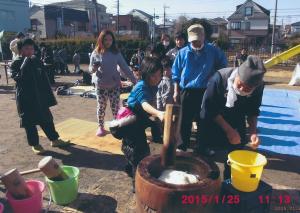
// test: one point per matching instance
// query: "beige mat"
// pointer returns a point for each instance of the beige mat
(124, 96)
(83, 132)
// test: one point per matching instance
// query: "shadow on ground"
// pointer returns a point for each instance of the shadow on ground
(87, 158)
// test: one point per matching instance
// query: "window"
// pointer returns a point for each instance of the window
(34, 24)
(122, 28)
(235, 25)
(247, 25)
(215, 29)
(248, 11)
(235, 41)
(7, 15)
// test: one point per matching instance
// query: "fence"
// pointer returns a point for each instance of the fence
(264, 56)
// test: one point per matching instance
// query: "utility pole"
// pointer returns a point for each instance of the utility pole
(118, 17)
(165, 7)
(97, 18)
(153, 28)
(274, 26)
(62, 17)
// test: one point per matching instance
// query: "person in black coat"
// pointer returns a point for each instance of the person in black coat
(163, 47)
(233, 95)
(34, 97)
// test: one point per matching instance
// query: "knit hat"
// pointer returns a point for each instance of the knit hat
(195, 32)
(252, 71)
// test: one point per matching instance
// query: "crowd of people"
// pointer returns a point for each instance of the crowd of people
(193, 74)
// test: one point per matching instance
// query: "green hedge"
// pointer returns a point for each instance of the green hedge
(127, 47)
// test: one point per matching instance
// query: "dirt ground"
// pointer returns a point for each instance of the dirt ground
(104, 187)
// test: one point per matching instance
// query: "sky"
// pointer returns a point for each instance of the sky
(288, 10)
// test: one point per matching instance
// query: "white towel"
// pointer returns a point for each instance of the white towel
(231, 96)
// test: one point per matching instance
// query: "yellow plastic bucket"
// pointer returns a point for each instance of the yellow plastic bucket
(246, 169)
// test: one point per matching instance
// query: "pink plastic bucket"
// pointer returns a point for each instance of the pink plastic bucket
(34, 203)
(1, 208)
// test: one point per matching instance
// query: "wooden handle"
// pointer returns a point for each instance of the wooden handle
(171, 122)
(27, 172)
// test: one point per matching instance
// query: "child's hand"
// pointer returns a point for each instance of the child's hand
(161, 115)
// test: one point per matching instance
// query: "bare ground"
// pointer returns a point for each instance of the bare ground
(104, 187)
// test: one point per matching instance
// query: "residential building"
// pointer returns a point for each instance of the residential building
(145, 17)
(249, 25)
(131, 27)
(295, 28)
(51, 21)
(14, 15)
(103, 21)
(219, 27)
(168, 28)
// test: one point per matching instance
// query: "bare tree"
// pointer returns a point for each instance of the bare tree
(180, 22)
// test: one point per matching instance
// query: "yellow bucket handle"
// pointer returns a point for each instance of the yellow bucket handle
(251, 175)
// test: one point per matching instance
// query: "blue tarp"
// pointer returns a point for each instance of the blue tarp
(279, 121)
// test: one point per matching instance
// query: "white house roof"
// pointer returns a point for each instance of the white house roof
(141, 12)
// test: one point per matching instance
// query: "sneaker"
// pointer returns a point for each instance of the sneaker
(38, 149)
(100, 132)
(182, 147)
(60, 143)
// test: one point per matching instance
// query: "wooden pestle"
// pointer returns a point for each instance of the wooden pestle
(171, 122)
(15, 184)
(51, 169)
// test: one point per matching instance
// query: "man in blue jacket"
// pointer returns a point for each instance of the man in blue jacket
(192, 68)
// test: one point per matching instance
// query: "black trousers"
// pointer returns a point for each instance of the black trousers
(32, 133)
(134, 143)
(212, 136)
(191, 100)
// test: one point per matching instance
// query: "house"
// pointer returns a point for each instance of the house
(50, 21)
(104, 20)
(14, 15)
(219, 27)
(249, 25)
(168, 28)
(131, 27)
(145, 17)
(295, 28)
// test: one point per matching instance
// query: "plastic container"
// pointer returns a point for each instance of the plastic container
(34, 203)
(66, 191)
(246, 169)
(1, 208)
